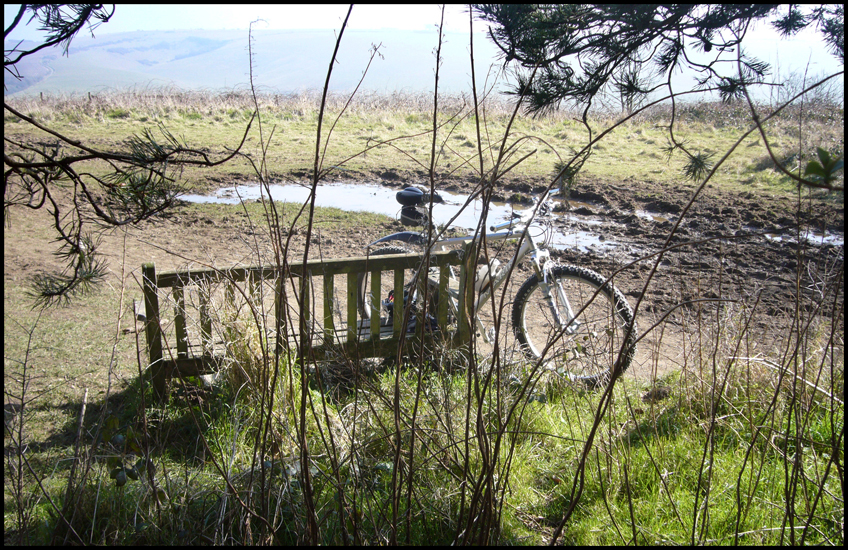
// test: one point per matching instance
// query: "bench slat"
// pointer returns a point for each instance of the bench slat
(354, 338)
(376, 307)
(351, 305)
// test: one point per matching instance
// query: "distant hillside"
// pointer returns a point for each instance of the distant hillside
(284, 61)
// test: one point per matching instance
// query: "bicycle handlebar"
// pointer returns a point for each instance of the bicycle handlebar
(523, 218)
(501, 225)
(412, 197)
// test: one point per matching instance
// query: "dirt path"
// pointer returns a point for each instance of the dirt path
(723, 253)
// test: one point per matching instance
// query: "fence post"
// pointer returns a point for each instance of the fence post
(466, 294)
(376, 281)
(444, 293)
(153, 331)
(398, 307)
(280, 326)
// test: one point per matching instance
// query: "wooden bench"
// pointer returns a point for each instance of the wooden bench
(192, 341)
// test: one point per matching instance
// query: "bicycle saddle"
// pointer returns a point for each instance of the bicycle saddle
(412, 196)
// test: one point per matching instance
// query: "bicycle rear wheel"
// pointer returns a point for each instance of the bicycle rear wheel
(364, 294)
(585, 348)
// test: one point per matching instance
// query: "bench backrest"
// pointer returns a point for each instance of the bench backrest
(271, 296)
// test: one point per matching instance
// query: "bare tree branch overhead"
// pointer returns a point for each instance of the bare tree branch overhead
(109, 188)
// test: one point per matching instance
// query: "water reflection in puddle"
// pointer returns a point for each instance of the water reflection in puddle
(811, 238)
(653, 216)
(381, 200)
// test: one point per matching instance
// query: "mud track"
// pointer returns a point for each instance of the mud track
(732, 245)
(756, 256)
(720, 259)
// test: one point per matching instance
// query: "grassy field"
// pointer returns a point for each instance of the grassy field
(635, 150)
(744, 444)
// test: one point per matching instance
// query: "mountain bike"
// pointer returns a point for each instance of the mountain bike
(567, 316)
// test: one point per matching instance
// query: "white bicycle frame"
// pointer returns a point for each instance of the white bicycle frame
(517, 228)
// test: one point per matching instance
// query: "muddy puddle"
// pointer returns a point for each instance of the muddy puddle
(811, 237)
(574, 230)
(381, 200)
(654, 217)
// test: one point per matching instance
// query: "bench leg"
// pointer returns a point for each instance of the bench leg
(159, 380)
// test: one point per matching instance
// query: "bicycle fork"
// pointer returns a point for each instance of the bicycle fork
(568, 323)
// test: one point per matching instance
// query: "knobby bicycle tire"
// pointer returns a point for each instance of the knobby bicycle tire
(589, 349)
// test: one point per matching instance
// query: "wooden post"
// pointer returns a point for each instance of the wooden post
(398, 307)
(205, 291)
(352, 329)
(421, 284)
(375, 305)
(280, 328)
(466, 294)
(444, 298)
(154, 332)
(329, 325)
(180, 322)
(307, 306)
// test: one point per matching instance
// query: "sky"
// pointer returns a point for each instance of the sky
(134, 17)
(803, 52)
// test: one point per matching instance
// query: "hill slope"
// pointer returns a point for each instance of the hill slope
(284, 61)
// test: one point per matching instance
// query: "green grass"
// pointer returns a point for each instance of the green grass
(635, 150)
(70, 346)
(324, 216)
(649, 458)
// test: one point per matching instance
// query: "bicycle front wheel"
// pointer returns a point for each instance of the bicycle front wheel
(576, 322)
